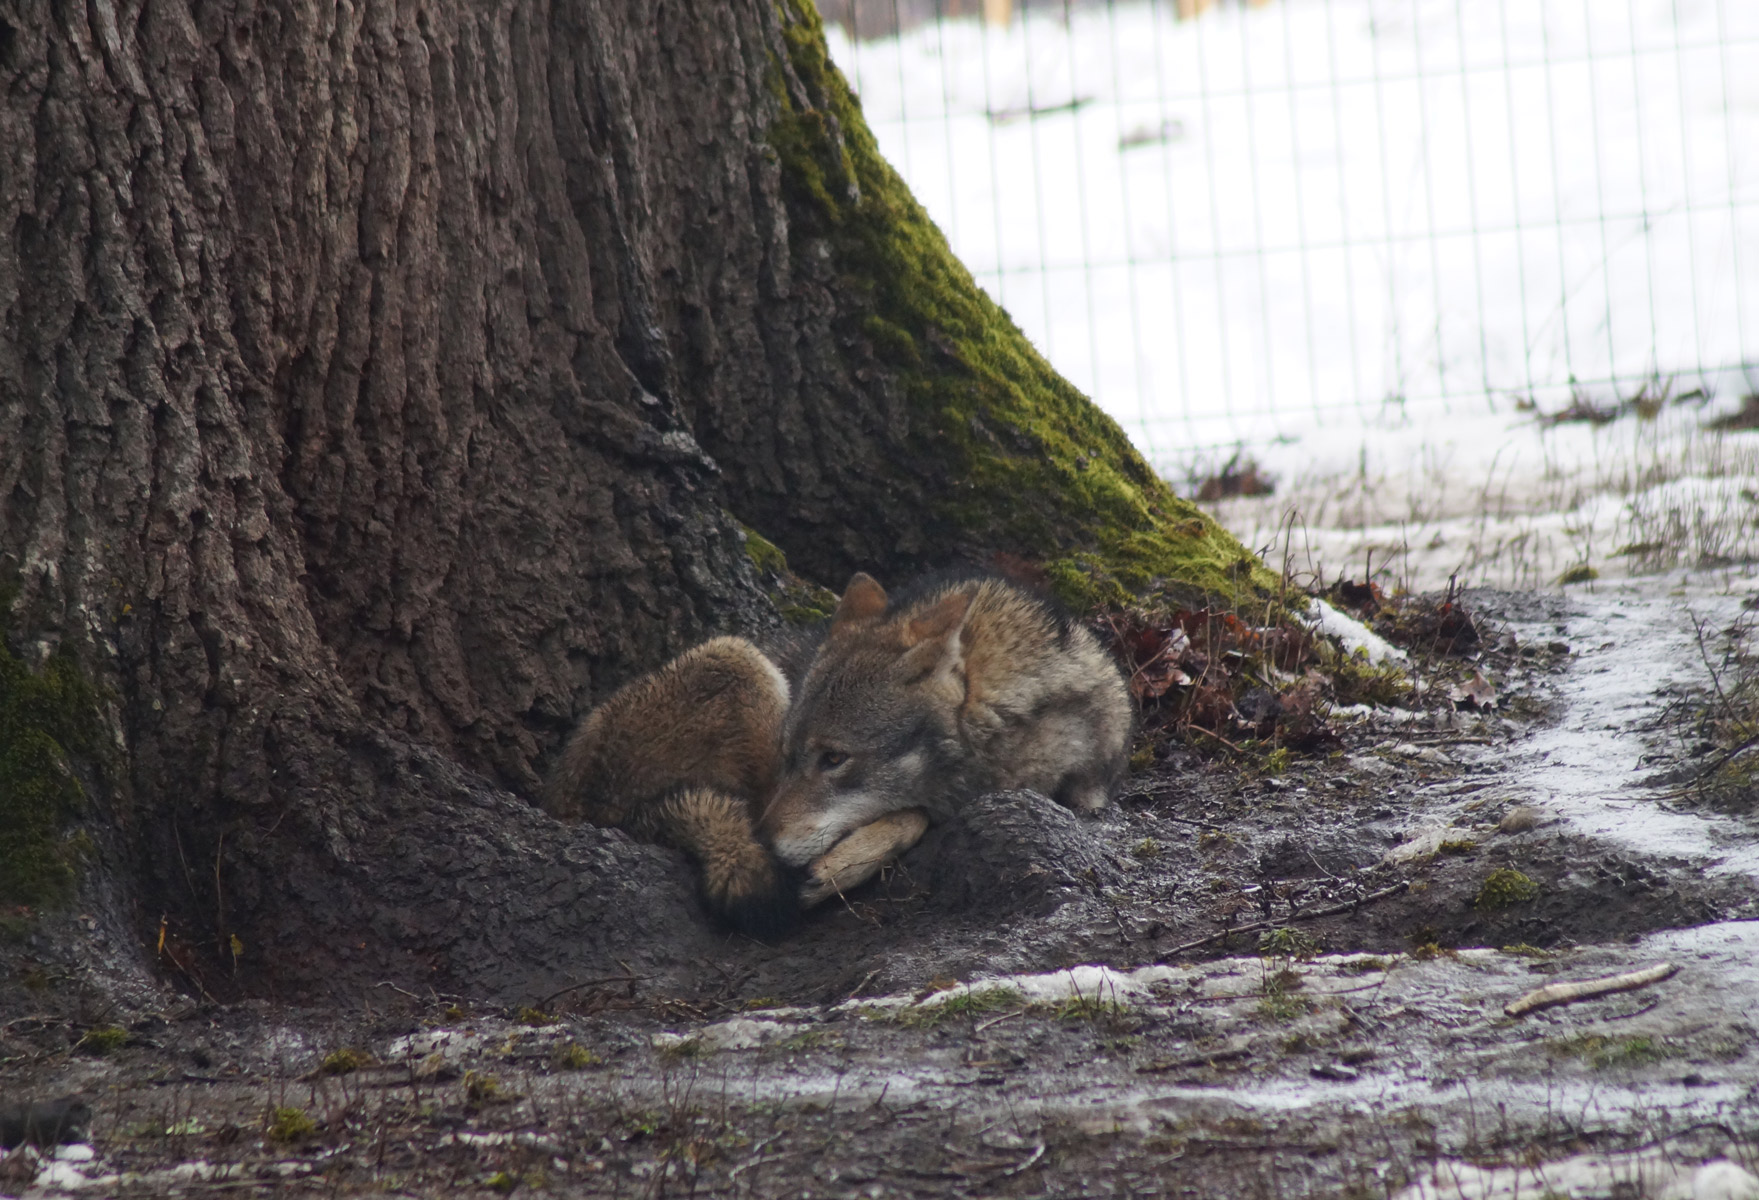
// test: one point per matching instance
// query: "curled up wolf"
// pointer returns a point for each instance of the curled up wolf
(787, 792)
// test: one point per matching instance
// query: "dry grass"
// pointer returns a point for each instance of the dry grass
(1604, 500)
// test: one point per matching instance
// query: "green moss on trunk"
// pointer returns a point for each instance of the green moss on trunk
(46, 716)
(796, 600)
(1032, 466)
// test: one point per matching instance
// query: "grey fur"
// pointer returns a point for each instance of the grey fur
(974, 686)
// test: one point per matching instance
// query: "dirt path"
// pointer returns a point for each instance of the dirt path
(1361, 1053)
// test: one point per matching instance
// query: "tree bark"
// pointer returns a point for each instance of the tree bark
(376, 380)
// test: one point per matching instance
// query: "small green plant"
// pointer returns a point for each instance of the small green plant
(1283, 982)
(1364, 964)
(972, 1002)
(289, 1125)
(1091, 1010)
(1523, 950)
(345, 1061)
(1355, 680)
(1426, 944)
(1580, 573)
(684, 1050)
(572, 1056)
(1286, 944)
(501, 1182)
(1276, 763)
(1603, 1053)
(1503, 888)
(534, 1017)
(483, 1089)
(809, 1039)
(1283, 1007)
(105, 1039)
(643, 1123)
(1458, 846)
(1147, 848)
(453, 1013)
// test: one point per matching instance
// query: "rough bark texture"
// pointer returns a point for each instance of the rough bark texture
(353, 361)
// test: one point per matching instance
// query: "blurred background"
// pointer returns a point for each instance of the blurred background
(1470, 286)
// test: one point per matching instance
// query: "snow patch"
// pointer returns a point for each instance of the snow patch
(1657, 1173)
(740, 1033)
(1106, 985)
(1351, 634)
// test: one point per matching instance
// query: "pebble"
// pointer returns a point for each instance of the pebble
(1519, 819)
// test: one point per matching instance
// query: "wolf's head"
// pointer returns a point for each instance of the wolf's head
(874, 727)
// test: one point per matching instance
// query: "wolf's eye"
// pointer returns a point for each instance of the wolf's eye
(830, 760)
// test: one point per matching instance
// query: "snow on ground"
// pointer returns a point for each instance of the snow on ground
(1360, 239)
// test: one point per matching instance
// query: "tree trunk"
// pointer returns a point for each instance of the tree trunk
(375, 384)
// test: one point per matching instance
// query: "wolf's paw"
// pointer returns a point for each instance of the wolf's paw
(755, 896)
(741, 882)
(751, 892)
(859, 857)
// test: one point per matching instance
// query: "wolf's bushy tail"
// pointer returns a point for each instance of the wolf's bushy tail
(741, 882)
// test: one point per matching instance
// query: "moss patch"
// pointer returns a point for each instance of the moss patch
(798, 601)
(763, 553)
(345, 1061)
(572, 1056)
(106, 1039)
(286, 1126)
(1602, 1052)
(48, 719)
(1504, 888)
(1032, 467)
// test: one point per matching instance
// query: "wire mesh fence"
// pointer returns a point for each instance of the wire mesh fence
(1250, 222)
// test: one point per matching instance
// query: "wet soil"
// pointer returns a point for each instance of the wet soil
(1306, 978)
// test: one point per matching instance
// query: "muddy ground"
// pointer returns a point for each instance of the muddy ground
(1302, 992)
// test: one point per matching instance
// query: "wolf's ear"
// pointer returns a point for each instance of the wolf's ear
(863, 600)
(935, 646)
(938, 621)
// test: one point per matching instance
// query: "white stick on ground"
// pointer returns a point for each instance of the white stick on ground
(1587, 989)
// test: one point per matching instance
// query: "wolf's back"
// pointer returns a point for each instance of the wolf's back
(1046, 707)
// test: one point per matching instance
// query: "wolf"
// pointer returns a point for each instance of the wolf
(681, 756)
(968, 686)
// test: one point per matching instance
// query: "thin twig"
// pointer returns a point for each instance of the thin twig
(862, 985)
(1037, 1153)
(1707, 772)
(575, 987)
(1008, 1016)
(1210, 733)
(1193, 1060)
(388, 984)
(1310, 915)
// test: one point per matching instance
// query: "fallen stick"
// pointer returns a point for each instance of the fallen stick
(1007, 1016)
(630, 977)
(1568, 993)
(1312, 914)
